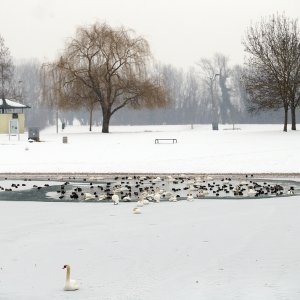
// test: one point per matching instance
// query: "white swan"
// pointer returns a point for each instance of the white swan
(88, 196)
(156, 196)
(71, 284)
(226, 181)
(102, 197)
(115, 198)
(127, 198)
(170, 178)
(136, 210)
(143, 198)
(146, 201)
(173, 198)
(190, 197)
(244, 182)
(205, 192)
(140, 203)
(200, 194)
(208, 178)
(156, 179)
(251, 192)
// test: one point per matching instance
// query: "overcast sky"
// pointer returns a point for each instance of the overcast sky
(180, 32)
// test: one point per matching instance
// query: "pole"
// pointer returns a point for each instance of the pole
(57, 121)
(215, 115)
(20, 82)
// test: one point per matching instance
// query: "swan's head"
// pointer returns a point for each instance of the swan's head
(66, 267)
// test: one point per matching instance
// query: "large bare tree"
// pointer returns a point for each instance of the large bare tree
(272, 70)
(215, 74)
(109, 65)
(227, 109)
(209, 74)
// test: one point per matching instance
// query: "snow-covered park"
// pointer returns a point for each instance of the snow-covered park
(208, 249)
(132, 149)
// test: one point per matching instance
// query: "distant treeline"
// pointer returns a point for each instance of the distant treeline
(190, 102)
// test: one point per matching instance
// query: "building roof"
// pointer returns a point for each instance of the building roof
(9, 104)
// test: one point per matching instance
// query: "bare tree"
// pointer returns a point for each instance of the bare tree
(75, 96)
(227, 109)
(238, 92)
(51, 82)
(209, 73)
(188, 102)
(263, 92)
(272, 70)
(109, 65)
(216, 74)
(191, 97)
(27, 86)
(6, 70)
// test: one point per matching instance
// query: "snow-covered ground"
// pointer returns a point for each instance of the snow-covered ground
(242, 249)
(206, 249)
(253, 148)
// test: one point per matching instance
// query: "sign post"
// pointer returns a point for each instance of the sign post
(14, 128)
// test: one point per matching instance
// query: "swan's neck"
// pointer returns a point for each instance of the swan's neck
(68, 274)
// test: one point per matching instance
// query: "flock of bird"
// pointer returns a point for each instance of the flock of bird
(146, 189)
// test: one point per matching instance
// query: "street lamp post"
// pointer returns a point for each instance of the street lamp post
(215, 113)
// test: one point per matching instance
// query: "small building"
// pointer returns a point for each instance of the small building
(11, 111)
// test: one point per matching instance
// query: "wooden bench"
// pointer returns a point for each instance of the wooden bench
(158, 140)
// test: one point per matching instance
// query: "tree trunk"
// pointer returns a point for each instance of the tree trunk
(285, 119)
(91, 119)
(293, 117)
(105, 121)
(226, 107)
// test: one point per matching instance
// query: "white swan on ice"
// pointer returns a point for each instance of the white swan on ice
(157, 195)
(71, 284)
(88, 196)
(173, 198)
(251, 192)
(115, 198)
(190, 197)
(136, 210)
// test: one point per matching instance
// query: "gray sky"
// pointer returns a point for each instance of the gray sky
(180, 32)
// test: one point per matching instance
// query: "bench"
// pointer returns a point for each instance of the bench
(158, 140)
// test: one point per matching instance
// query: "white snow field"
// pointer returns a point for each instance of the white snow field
(244, 249)
(254, 148)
